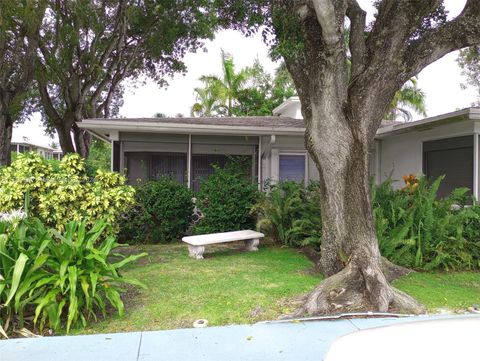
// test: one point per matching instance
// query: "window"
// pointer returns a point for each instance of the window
(292, 167)
(452, 158)
(24, 148)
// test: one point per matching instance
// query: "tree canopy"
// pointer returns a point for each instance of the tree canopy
(249, 91)
(19, 22)
(87, 48)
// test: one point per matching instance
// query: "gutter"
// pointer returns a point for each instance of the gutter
(428, 123)
(123, 126)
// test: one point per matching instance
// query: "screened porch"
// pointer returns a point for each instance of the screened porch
(188, 159)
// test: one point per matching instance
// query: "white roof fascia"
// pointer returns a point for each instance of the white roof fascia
(466, 114)
(124, 126)
(278, 110)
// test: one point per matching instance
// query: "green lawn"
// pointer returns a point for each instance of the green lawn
(230, 287)
(454, 291)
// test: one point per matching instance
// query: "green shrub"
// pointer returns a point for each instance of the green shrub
(162, 213)
(226, 199)
(416, 229)
(289, 214)
(58, 279)
(61, 191)
(277, 210)
(307, 230)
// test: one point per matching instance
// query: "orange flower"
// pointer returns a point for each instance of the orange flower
(411, 182)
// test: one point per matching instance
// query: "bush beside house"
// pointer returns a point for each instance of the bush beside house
(415, 229)
(226, 199)
(290, 214)
(61, 191)
(162, 213)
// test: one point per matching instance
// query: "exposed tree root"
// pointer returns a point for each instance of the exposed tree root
(392, 271)
(354, 289)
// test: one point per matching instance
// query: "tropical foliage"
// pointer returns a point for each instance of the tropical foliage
(99, 157)
(51, 279)
(409, 97)
(249, 91)
(414, 227)
(162, 213)
(62, 191)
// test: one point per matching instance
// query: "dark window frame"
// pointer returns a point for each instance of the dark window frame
(445, 145)
(293, 154)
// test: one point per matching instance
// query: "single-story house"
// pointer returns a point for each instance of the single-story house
(186, 148)
(24, 146)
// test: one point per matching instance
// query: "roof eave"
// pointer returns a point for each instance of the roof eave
(122, 126)
(427, 123)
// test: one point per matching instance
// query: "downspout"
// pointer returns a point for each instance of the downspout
(189, 162)
(475, 167)
(259, 172)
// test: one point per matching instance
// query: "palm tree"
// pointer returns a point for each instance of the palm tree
(220, 93)
(409, 97)
(208, 99)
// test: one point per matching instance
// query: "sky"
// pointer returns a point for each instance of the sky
(440, 81)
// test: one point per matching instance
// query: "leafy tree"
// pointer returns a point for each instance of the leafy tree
(99, 156)
(264, 92)
(208, 99)
(343, 109)
(19, 21)
(251, 91)
(88, 47)
(469, 62)
(410, 96)
(220, 92)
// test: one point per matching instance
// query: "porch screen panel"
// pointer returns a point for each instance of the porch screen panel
(173, 165)
(203, 166)
(116, 156)
(452, 158)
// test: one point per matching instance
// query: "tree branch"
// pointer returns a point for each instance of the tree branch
(394, 26)
(357, 45)
(325, 12)
(461, 32)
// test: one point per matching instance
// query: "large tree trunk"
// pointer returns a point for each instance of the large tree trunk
(350, 256)
(82, 141)
(5, 140)
(65, 138)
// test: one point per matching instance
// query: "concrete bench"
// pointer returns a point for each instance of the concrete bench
(196, 244)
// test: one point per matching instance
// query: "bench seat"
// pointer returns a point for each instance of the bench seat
(196, 244)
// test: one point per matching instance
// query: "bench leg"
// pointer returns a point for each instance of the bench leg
(252, 244)
(196, 251)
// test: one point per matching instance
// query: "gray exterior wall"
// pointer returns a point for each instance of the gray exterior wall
(403, 154)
